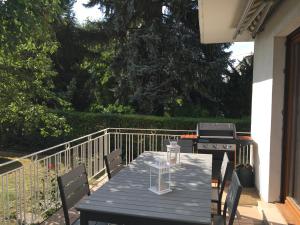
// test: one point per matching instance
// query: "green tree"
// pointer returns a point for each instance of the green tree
(82, 62)
(237, 89)
(26, 72)
(71, 79)
(159, 60)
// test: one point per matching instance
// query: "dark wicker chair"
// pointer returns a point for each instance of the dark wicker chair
(113, 163)
(224, 178)
(231, 202)
(73, 186)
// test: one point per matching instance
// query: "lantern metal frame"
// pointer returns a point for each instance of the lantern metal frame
(173, 153)
(160, 177)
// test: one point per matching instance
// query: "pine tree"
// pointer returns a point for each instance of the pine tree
(237, 89)
(82, 61)
(158, 56)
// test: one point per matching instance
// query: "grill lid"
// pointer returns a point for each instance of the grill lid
(216, 130)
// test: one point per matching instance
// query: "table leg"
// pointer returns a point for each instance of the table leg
(83, 218)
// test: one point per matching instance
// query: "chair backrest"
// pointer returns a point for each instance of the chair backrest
(72, 187)
(113, 161)
(225, 173)
(232, 198)
(186, 145)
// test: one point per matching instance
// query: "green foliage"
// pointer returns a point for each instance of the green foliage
(82, 63)
(112, 108)
(237, 89)
(189, 110)
(158, 56)
(100, 82)
(144, 57)
(84, 123)
(70, 82)
(26, 88)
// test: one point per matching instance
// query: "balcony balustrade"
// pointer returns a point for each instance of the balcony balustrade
(29, 192)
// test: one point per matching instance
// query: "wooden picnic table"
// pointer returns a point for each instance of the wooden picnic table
(125, 199)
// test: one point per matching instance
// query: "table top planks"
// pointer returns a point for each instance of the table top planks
(126, 195)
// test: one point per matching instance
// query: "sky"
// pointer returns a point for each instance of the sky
(82, 13)
(239, 49)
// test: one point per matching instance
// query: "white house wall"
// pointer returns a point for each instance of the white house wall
(267, 98)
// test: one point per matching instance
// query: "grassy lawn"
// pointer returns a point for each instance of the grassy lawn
(29, 187)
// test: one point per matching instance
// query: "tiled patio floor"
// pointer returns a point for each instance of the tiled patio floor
(251, 210)
(248, 213)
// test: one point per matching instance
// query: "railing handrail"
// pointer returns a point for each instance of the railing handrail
(94, 133)
(135, 133)
(51, 148)
(150, 129)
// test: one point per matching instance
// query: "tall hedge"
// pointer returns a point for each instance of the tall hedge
(83, 123)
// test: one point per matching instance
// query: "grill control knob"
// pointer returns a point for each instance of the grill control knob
(204, 145)
(214, 146)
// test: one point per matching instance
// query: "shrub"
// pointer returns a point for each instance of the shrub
(83, 123)
(112, 108)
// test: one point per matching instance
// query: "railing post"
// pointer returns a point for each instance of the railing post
(106, 143)
(121, 142)
(251, 155)
(101, 152)
(89, 156)
(126, 155)
(67, 163)
(109, 149)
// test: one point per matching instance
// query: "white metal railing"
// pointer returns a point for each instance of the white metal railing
(29, 193)
(28, 188)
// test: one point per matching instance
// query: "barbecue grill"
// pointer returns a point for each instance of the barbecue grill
(216, 139)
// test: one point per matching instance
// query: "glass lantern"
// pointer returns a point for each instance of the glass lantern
(160, 177)
(173, 153)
